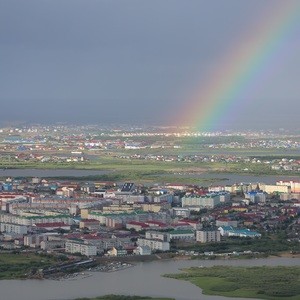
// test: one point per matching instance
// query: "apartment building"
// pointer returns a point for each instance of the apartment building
(226, 222)
(210, 200)
(154, 244)
(34, 219)
(156, 235)
(13, 228)
(183, 234)
(80, 247)
(293, 185)
(208, 236)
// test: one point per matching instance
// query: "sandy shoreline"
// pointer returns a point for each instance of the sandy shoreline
(286, 254)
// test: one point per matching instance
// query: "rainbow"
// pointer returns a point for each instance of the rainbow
(253, 55)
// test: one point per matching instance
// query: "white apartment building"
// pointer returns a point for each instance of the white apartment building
(154, 244)
(294, 185)
(30, 220)
(80, 247)
(13, 228)
(256, 197)
(280, 187)
(208, 201)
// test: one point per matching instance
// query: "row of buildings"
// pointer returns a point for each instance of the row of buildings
(107, 219)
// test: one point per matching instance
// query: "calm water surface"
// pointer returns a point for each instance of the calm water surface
(230, 178)
(50, 172)
(143, 279)
(238, 178)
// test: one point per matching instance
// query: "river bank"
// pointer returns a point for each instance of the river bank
(57, 270)
(144, 279)
(118, 263)
(204, 176)
(286, 254)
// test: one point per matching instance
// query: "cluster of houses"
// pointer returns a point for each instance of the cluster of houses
(102, 218)
(76, 144)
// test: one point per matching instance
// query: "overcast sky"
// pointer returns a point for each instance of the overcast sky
(132, 61)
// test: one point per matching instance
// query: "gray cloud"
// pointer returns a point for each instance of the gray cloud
(126, 61)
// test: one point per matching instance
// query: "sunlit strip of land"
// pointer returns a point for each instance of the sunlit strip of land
(249, 282)
(122, 297)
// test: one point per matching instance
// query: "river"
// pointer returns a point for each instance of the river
(143, 279)
(50, 172)
(232, 178)
(218, 178)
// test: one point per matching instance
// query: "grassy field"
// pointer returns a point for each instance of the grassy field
(122, 297)
(272, 283)
(14, 266)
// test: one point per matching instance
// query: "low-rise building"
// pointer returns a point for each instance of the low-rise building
(117, 251)
(90, 224)
(137, 226)
(52, 244)
(226, 222)
(242, 232)
(182, 234)
(150, 207)
(52, 226)
(142, 250)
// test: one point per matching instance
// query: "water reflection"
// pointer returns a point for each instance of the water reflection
(143, 279)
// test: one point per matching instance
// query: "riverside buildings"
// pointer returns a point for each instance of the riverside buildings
(93, 224)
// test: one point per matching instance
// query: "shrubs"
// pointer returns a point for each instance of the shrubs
(261, 282)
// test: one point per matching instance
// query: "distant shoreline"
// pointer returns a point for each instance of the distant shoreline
(244, 281)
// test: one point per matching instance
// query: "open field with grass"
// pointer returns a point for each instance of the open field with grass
(272, 283)
(122, 297)
(21, 265)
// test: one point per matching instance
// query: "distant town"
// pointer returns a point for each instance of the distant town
(87, 218)
(264, 150)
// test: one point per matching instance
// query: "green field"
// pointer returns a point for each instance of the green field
(21, 265)
(122, 297)
(272, 283)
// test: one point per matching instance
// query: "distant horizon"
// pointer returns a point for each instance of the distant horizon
(127, 126)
